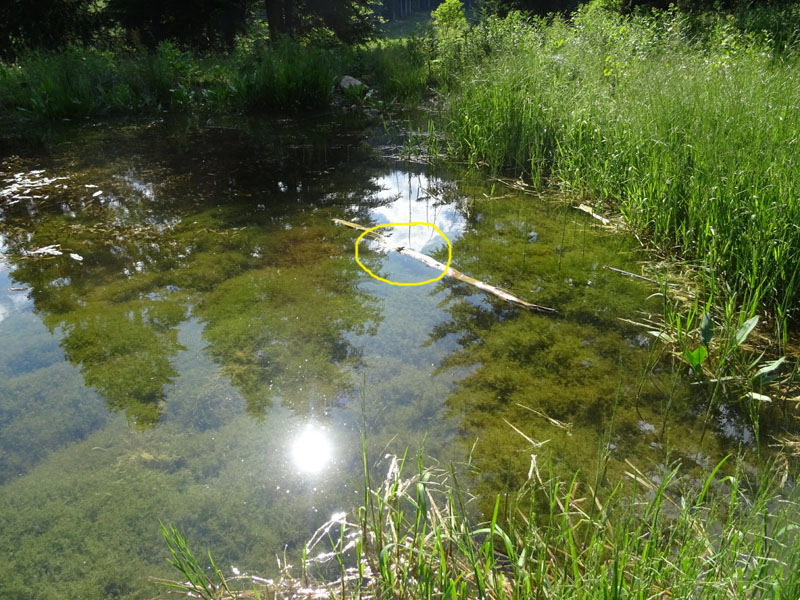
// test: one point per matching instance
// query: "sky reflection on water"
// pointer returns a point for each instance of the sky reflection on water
(406, 198)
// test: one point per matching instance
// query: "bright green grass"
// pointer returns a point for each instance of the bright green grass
(694, 140)
(85, 82)
(81, 83)
(400, 69)
(412, 538)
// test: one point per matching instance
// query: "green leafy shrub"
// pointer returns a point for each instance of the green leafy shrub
(449, 19)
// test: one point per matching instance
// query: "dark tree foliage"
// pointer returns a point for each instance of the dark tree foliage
(197, 23)
(541, 7)
(534, 7)
(703, 5)
(46, 24)
(200, 24)
(351, 21)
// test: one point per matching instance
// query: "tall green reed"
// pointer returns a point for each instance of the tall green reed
(693, 140)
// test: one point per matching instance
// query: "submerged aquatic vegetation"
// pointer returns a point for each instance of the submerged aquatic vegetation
(212, 254)
(150, 268)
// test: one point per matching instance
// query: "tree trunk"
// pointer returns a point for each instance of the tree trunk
(290, 20)
(280, 18)
(274, 19)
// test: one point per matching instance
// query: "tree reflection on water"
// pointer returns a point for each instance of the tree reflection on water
(246, 248)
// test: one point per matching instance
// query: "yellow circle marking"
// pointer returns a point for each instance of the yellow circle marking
(439, 231)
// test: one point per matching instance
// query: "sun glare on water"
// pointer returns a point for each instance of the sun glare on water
(311, 449)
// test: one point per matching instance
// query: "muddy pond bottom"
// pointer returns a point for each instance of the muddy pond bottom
(186, 336)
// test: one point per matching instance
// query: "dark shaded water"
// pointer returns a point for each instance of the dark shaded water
(205, 350)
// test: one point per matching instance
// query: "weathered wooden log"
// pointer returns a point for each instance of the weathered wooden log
(449, 271)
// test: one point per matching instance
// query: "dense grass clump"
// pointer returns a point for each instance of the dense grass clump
(693, 137)
(401, 69)
(81, 82)
(85, 82)
(286, 76)
(412, 539)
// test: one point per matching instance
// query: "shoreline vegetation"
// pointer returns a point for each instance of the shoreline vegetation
(686, 124)
(647, 538)
(692, 138)
(78, 83)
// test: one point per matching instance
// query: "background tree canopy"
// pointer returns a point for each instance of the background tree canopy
(47, 23)
(199, 23)
(209, 24)
(351, 21)
(203, 24)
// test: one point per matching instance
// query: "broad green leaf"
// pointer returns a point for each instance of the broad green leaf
(421, 500)
(706, 329)
(769, 368)
(696, 357)
(745, 330)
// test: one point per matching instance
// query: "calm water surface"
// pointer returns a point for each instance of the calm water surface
(205, 350)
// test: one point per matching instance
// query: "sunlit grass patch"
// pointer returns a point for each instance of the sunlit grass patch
(693, 140)
(400, 69)
(414, 537)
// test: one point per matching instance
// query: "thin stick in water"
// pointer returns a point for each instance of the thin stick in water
(450, 272)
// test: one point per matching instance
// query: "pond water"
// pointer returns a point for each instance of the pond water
(202, 348)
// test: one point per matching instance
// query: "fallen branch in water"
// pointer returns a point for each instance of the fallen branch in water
(449, 272)
(590, 211)
(629, 274)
